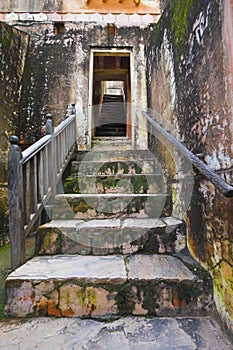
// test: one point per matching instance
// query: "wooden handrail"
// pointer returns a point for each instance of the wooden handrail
(225, 188)
(33, 176)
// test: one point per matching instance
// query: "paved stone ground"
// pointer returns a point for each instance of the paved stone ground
(123, 334)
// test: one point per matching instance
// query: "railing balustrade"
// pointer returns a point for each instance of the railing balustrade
(33, 176)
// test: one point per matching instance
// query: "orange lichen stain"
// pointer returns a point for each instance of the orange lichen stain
(68, 312)
(53, 310)
(175, 300)
(41, 305)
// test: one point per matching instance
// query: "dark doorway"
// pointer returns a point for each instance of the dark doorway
(111, 94)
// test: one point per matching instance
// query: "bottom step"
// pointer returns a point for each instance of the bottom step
(100, 286)
(126, 333)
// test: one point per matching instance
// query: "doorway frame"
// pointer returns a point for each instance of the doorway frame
(130, 115)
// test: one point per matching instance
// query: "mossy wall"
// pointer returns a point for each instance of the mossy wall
(13, 54)
(190, 93)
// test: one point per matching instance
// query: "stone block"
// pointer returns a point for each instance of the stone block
(40, 17)
(11, 17)
(26, 17)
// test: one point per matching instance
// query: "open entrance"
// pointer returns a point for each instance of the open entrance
(111, 94)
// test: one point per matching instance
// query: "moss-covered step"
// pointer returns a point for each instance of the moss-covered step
(101, 206)
(111, 236)
(122, 183)
(107, 286)
(115, 167)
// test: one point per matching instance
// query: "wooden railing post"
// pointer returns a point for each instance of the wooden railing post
(51, 166)
(15, 199)
(73, 109)
(49, 124)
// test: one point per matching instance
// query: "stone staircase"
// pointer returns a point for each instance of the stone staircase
(112, 248)
(112, 120)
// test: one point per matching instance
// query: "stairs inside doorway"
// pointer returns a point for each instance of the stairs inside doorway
(112, 248)
(112, 119)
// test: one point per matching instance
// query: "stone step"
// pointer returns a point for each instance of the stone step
(112, 98)
(93, 286)
(122, 183)
(115, 150)
(113, 126)
(113, 144)
(115, 167)
(105, 131)
(136, 333)
(111, 236)
(101, 206)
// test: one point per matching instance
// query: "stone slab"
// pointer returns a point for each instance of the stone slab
(157, 267)
(108, 223)
(103, 269)
(146, 223)
(67, 224)
(126, 333)
(105, 223)
(82, 268)
(172, 221)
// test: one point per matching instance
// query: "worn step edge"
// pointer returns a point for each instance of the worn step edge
(122, 153)
(110, 195)
(169, 222)
(119, 176)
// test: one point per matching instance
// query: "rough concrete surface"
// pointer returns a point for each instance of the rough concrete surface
(126, 333)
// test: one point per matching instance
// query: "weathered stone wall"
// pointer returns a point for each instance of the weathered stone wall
(190, 92)
(49, 80)
(13, 54)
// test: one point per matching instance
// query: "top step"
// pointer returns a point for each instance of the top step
(112, 98)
